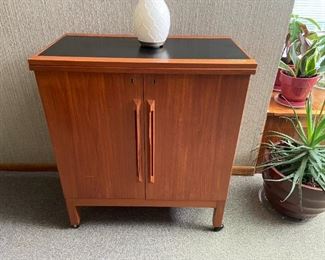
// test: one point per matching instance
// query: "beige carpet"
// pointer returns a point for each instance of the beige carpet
(33, 225)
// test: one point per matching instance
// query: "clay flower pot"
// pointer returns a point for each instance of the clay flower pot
(313, 199)
(296, 90)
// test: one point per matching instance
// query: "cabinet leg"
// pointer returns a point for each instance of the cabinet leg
(218, 216)
(73, 214)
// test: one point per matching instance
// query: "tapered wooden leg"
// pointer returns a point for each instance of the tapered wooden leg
(73, 214)
(218, 216)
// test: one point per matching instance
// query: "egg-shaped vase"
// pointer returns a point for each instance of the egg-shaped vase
(152, 22)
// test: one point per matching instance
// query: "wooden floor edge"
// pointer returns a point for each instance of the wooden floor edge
(243, 170)
(236, 170)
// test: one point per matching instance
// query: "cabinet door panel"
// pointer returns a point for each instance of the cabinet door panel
(191, 134)
(92, 120)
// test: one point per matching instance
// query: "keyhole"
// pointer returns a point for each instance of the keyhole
(154, 82)
(132, 81)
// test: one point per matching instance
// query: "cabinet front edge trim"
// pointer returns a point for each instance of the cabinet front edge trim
(143, 203)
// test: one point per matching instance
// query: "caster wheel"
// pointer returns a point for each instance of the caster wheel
(74, 226)
(217, 229)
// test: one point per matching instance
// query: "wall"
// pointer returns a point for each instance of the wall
(259, 26)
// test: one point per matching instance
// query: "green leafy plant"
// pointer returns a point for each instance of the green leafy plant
(301, 160)
(298, 30)
(306, 62)
(297, 26)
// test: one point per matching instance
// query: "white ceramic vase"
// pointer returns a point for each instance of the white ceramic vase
(152, 22)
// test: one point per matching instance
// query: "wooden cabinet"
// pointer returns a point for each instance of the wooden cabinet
(143, 127)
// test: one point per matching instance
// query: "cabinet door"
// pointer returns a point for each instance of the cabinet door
(95, 124)
(192, 124)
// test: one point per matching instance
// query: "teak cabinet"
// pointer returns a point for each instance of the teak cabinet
(143, 127)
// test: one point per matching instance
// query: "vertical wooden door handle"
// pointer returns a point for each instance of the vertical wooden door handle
(137, 103)
(151, 140)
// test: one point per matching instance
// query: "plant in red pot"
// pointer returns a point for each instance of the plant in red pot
(298, 81)
(294, 169)
(297, 30)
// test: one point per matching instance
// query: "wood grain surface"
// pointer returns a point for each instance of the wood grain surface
(92, 124)
(197, 122)
(275, 109)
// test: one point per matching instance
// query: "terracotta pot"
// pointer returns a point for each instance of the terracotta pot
(277, 83)
(296, 89)
(313, 199)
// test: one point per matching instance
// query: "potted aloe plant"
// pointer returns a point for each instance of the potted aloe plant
(298, 30)
(294, 168)
(297, 81)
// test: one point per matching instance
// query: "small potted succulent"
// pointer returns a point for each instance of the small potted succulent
(294, 168)
(297, 30)
(297, 81)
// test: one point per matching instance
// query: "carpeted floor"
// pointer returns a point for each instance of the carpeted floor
(34, 225)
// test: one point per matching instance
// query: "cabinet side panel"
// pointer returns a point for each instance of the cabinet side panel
(197, 120)
(55, 100)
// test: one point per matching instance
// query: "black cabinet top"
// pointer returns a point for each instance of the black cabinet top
(129, 47)
(123, 54)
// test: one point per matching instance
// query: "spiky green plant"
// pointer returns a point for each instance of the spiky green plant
(302, 159)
